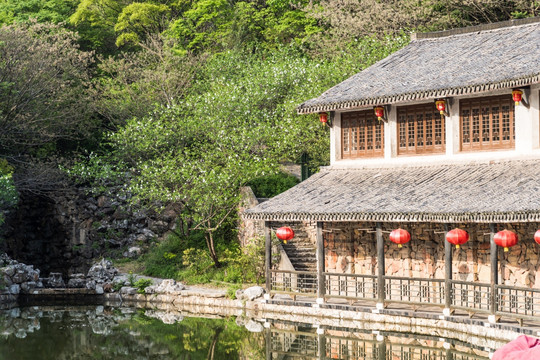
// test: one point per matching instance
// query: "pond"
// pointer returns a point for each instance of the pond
(128, 333)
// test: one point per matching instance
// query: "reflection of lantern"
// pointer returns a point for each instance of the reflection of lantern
(441, 106)
(400, 236)
(457, 237)
(379, 112)
(285, 233)
(323, 117)
(505, 239)
(517, 96)
(537, 237)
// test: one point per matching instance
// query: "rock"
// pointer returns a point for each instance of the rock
(15, 289)
(128, 290)
(102, 271)
(253, 292)
(28, 286)
(239, 294)
(77, 281)
(254, 326)
(133, 252)
(167, 286)
(91, 284)
(99, 290)
(56, 281)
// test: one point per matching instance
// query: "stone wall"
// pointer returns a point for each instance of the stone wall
(65, 230)
(250, 229)
(351, 248)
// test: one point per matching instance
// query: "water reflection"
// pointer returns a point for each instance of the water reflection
(128, 333)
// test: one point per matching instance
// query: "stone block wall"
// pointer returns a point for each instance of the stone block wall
(351, 248)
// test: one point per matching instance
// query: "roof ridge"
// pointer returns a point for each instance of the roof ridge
(475, 28)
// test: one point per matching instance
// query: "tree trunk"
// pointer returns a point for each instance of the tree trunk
(211, 248)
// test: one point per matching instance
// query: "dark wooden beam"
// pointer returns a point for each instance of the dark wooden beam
(380, 263)
(494, 269)
(447, 272)
(321, 286)
(268, 255)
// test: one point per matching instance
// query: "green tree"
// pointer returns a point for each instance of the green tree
(43, 79)
(54, 11)
(132, 83)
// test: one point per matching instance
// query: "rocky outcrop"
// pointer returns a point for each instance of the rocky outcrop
(65, 231)
(16, 277)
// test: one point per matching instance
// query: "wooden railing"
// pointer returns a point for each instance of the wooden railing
(521, 303)
(294, 282)
(513, 302)
(414, 291)
(351, 286)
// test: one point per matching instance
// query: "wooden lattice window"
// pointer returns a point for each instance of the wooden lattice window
(362, 135)
(421, 130)
(487, 123)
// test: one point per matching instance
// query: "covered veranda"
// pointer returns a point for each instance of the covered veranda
(353, 210)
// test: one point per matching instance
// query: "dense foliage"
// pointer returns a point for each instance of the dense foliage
(187, 101)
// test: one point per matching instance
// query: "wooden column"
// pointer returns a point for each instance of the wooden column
(447, 272)
(321, 286)
(321, 347)
(268, 254)
(494, 270)
(382, 350)
(380, 264)
(268, 348)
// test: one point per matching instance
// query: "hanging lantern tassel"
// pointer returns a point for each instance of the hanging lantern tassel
(323, 118)
(285, 233)
(400, 237)
(505, 239)
(379, 112)
(457, 237)
(537, 237)
(441, 106)
(517, 96)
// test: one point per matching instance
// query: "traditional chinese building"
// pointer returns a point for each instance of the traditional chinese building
(443, 134)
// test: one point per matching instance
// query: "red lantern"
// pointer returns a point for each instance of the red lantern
(441, 106)
(457, 237)
(506, 239)
(537, 237)
(323, 117)
(379, 112)
(517, 96)
(400, 236)
(285, 233)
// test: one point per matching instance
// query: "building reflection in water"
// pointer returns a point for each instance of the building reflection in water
(302, 341)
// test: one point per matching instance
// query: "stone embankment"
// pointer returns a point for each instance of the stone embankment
(104, 285)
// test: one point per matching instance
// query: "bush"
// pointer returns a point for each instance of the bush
(272, 185)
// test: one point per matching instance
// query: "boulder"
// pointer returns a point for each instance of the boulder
(254, 326)
(253, 293)
(56, 281)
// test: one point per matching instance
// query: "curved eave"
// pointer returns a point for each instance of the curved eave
(419, 95)
(511, 217)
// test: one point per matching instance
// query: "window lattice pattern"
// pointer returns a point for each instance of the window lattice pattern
(487, 123)
(421, 130)
(362, 135)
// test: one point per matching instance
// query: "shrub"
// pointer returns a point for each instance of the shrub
(272, 185)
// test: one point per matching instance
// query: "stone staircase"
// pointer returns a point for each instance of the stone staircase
(301, 253)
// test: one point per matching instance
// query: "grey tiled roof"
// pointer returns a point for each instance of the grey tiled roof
(478, 192)
(468, 61)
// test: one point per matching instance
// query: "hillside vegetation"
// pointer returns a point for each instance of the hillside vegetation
(187, 100)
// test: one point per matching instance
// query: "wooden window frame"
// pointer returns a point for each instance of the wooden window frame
(421, 130)
(358, 125)
(480, 117)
